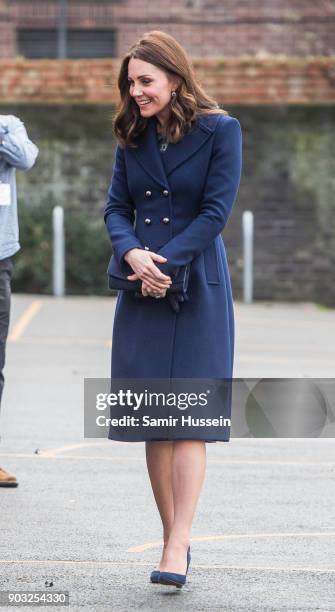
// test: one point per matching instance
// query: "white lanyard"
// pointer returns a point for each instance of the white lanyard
(5, 198)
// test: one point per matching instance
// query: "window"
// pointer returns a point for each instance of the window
(42, 43)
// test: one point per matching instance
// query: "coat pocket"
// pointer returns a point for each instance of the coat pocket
(211, 261)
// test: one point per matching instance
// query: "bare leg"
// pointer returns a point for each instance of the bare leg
(159, 462)
(188, 472)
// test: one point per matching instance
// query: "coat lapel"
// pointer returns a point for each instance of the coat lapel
(148, 155)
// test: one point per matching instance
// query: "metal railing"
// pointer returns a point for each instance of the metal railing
(58, 267)
(248, 238)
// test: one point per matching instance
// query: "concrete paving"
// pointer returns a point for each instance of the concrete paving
(83, 516)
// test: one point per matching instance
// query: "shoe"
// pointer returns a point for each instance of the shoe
(173, 579)
(6, 480)
(154, 576)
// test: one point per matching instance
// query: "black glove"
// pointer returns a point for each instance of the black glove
(175, 299)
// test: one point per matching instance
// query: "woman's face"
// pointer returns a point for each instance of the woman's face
(147, 82)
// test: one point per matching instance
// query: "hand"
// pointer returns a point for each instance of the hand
(147, 292)
(141, 262)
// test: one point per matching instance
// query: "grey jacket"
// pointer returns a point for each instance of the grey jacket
(16, 152)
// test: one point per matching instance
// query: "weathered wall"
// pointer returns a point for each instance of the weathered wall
(204, 27)
(288, 181)
(243, 80)
(7, 31)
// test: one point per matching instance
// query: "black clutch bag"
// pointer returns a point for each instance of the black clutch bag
(117, 278)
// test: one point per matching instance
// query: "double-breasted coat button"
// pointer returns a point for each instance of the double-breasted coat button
(147, 221)
(166, 220)
(148, 193)
(147, 248)
(165, 192)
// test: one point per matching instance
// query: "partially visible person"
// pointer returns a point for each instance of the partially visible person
(16, 152)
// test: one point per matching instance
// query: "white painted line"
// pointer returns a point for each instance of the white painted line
(269, 568)
(69, 562)
(53, 455)
(270, 462)
(24, 320)
(149, 564)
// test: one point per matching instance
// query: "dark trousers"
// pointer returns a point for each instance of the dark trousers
(6, 267)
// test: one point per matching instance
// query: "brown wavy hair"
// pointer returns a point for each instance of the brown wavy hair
(164, 52)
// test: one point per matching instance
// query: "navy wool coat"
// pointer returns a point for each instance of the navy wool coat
(176, 203)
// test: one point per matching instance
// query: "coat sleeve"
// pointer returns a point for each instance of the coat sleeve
(219, 194)
(15, 147)
(119, 215)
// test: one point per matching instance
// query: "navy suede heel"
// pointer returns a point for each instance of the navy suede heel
(154, 576)
(173, 579)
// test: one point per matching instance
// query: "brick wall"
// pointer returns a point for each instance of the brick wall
(246, 81)
(284, 101)
(7, 32)
(287, 181)
(204, 27)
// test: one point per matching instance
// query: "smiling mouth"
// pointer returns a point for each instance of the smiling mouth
(144, 103)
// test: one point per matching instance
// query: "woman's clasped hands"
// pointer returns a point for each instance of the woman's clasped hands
(154, 282)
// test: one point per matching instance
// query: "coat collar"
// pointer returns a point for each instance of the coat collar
(148, 155)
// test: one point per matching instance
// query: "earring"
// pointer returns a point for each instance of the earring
(173, 94)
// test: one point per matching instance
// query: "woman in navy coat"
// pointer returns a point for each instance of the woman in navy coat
(175, 179)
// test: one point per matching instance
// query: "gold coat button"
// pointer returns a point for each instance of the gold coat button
(165, 192)
(148, 193)
(147, 221)
(166, 220)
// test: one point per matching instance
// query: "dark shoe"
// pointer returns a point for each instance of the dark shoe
(6, 480)
(154, 576)
(170, 578)
(173, 579)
